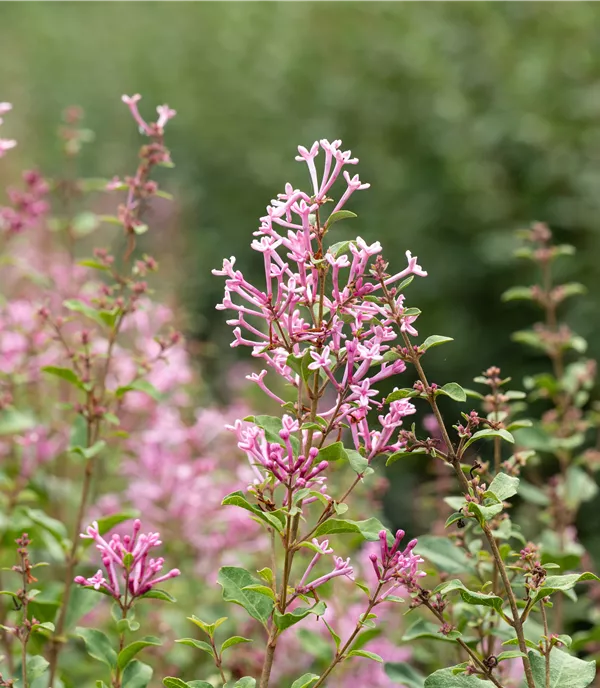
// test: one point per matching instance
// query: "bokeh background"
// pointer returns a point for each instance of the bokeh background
(470, 121)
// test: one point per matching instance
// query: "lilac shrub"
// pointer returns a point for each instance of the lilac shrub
(100, 424)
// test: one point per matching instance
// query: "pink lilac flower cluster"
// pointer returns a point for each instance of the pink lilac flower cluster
(291, 470)
(341, 614)
(5, 144)
(140, 187)
(129, 570)
(27, 206)
(398, 568)
(320, 305)
(177, 476)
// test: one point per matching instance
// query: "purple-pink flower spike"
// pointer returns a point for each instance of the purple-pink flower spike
(129, 571)
(398, 568)
(347, 343)
(5, 144)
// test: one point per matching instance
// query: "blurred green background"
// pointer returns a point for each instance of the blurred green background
(470, 120)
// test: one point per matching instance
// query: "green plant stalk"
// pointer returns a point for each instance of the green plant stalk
(473, 655)
(93, 431)
(547, 642)
(340, 654)
(454, 460)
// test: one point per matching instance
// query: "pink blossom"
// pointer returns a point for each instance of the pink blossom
(5, 144)
(394, 567)
(127, 563)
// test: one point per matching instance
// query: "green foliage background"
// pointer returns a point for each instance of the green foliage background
(470, 120)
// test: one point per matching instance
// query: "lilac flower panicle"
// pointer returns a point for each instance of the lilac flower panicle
(348, 343)
(399, 568)
(129, 571)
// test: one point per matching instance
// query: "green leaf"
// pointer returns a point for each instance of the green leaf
(434, 340)
(404, 393)
(13, 422)
(503, 487)
(444, 555)
(208, 628)
(89, 452)
(579, 487)
(36, 666)
(131, 650)
(98, 645)
(262, 589)
(405, 674)
(158, 594)
(199, 644)
(124, 625)
(484, 513)
(427, 629)
(139, 386)
(283, 621)
(337, 216)
(299, 364)
(396, 456)
(9, 593)
(266, 574)
(64, 374)
(554, 584)
(566, 671)
(572, 289)
(565, 639)
(234, 640)
(488, 432)
(336, 638)
(233, 579)
(246, 682)
(454, 391)
(273, 519)
(85, 223)
(518, 293)
(136, 675)
(533, 494)
(81, 602)
(365, 653)
(173, 682)
(369, 528)
(305, 681)
(94, 264)
(107, 523)
(56, 528)
(510, 654)
(332, 452)
(80, 307)
(471, 597)
(272, 425)
(358, 463)
(339, 248)
(453, 518)
(446, 678)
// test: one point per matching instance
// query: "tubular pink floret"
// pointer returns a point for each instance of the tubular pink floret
(126, 559)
